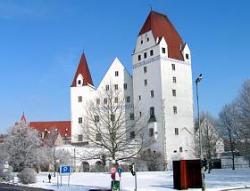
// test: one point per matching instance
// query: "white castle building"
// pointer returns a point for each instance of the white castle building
(160, 87)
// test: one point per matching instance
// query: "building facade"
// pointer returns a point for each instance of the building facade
(160, 89)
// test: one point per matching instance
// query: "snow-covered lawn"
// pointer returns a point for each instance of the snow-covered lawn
(147, 181)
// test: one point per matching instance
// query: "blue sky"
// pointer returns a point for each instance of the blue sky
(41, 42)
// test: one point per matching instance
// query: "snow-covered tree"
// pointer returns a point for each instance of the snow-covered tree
(22, 146)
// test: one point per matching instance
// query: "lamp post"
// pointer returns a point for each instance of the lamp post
(198, 79)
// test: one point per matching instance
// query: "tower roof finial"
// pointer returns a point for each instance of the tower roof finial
(23, 118)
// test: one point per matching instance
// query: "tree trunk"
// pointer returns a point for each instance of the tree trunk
(233, 167)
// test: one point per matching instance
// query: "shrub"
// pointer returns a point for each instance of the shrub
(27, 176)
(6, 174)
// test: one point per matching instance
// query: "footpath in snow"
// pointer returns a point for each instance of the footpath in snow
(147, 181)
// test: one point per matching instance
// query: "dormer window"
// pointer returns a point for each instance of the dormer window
(187, 56)
(79, 80)
(141, 41)
(147, 39)
(163, 50)
(116, 73)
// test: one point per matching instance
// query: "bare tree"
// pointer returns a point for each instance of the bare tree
(228, 120)
(110, 125)
(210, 138)
(22, 146)
(243, 102)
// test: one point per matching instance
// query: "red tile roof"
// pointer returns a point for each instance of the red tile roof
(162, 27)
(63, 127)
(83, 69)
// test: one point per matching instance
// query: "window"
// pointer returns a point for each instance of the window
(175, 151)
(152, 111)
(116, 86)
(139, 97)
(79, 82)
(175, 109)
(173, 67)
(163, 50)
(151, 52)
(132, 135)
(140, 113)
(152, 94)
(174, 93)
(132, 116)
(105, 100)
(98, 137)
(147, 39)
(98, 101)
(187, 56)
(107, 87)
(145, 69)
(79, 98)
(116, 73)
(176, 131)
(174, 79)
(180, 149)
(125, 86)
(97, 118)
(79, 120)
(112, 117)
(128, 99)
(116, 99)
(151, 132)
(79, 137)
(141, 41)
(145, 82)
(145, 55)
(139, 57)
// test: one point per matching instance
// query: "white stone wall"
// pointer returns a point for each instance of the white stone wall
(78, 110)
(159, 78)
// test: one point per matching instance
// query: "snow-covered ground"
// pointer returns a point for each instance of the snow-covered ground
(147, 181)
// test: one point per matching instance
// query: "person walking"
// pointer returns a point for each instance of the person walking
(49, 177)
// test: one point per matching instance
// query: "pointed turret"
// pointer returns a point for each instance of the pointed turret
(161, 26)
(23, 118)
(82, 76)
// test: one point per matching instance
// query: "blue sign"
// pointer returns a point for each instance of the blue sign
(65, 169)
(119, 170)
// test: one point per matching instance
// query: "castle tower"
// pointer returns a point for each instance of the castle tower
(162, 86)
(81, 91)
